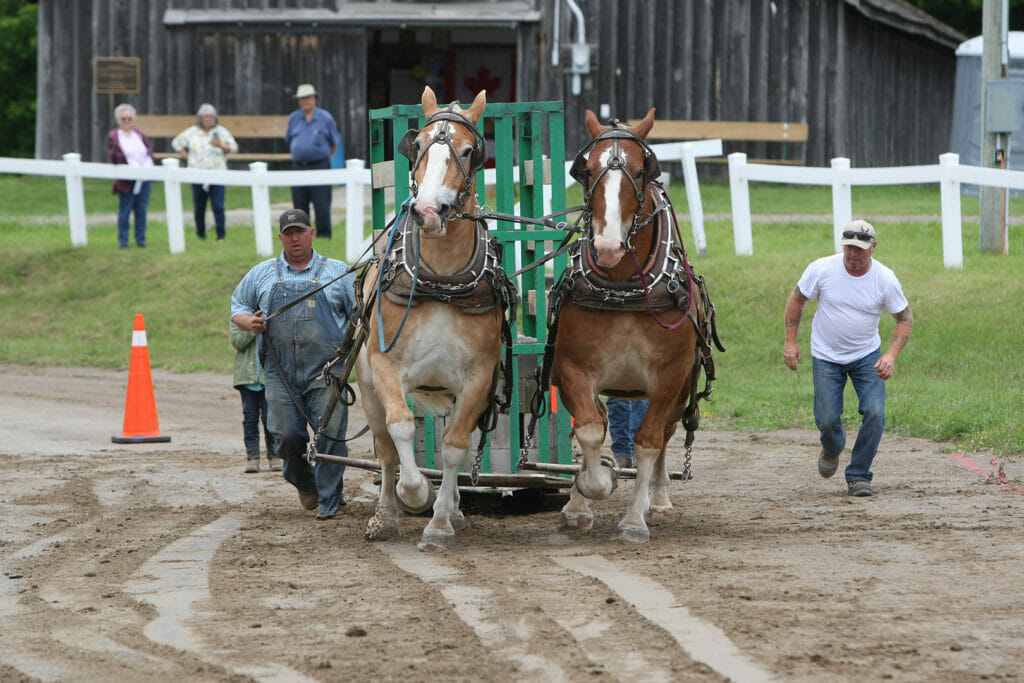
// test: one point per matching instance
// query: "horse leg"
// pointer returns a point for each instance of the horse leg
(633, 527)
(440, 532)
(661, 507)
(383, 525)
(594, 480)
(413, 489)
(576, 514)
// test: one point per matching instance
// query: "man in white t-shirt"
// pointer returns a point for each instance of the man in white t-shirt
(852, 292)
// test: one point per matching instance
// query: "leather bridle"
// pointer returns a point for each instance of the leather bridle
(617, 162)
(444, 136)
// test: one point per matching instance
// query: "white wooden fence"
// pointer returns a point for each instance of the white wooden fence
(948, 173)
(355, 178)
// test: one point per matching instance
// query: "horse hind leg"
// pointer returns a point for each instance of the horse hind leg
(661, 509)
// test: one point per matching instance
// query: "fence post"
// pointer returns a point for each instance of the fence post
(687, 155)
(739, 192)
(354, 211)
(261, 209)
(952, 227)
(76, 199)
(842, 204)
(172, 200)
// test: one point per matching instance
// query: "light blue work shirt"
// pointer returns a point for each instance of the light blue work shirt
(311, 140)
(253, 292)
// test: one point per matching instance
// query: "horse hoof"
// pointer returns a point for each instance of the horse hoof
(580, 522)
(659, 513)
(381, 528)
(414, 509)
(436, 540)
(632, 534)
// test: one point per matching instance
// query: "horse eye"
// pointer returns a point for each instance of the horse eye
(466, 152)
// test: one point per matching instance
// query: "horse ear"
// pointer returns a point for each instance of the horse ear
(407, 145)
(643, 128)
(594, 126)
(477, 109)
(429, 102)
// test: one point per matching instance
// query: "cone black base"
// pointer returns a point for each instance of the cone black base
(140, 439)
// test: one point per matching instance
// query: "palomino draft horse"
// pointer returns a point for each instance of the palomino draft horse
(437, 300)
(630, 320)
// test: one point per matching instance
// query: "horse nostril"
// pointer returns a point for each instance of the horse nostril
(444, 209)
(415, 214)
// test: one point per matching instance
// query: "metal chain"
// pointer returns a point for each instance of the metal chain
(686, 464)
(474, 474)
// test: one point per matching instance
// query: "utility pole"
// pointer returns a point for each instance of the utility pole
(990, 233)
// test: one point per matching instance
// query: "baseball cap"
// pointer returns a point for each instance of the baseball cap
(858, 233)
(293, 217)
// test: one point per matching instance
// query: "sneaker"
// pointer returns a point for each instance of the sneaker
(275, 464)
(827, 466)
(859, 488)
(308, 501)
(623, 461)
(322, 516)
(252, 466)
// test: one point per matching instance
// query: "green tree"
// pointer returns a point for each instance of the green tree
(18, 26)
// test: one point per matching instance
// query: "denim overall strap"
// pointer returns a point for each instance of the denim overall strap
(305, 337)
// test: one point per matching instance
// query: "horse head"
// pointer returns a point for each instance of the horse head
(615, 170)
(446, 155)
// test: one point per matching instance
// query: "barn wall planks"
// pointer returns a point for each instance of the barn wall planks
(829, 63)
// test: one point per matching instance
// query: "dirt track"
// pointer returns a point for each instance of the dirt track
(165, 562)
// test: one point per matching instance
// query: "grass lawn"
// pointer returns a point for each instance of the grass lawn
(959, 379)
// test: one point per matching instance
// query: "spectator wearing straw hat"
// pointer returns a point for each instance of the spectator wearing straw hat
(853, 291)
(312, 138)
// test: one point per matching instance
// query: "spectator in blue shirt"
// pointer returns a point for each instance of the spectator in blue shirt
(312, 137)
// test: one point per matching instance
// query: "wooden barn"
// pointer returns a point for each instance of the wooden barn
(873, 79)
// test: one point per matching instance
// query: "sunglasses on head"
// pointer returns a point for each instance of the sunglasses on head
(862, 236)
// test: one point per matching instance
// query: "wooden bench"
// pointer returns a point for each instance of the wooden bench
(742, 131)
(242, 126)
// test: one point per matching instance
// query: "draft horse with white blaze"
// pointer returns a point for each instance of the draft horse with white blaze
(441, 306)
(627, 319)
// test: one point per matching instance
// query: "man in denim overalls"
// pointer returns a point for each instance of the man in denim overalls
(299, 342)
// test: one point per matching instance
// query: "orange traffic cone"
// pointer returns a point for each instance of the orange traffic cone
(140, 422)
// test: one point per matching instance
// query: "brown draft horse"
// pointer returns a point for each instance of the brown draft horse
(442, 321)
(612, 323)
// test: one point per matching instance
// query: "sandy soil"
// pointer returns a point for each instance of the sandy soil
(164, 562)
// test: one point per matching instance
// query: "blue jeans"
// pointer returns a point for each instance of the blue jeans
(304, 338)
(216, 196)
(292, 436)
(319, 195)
(623, 419)
(829, 383)
(133, 203)
(254, 409)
